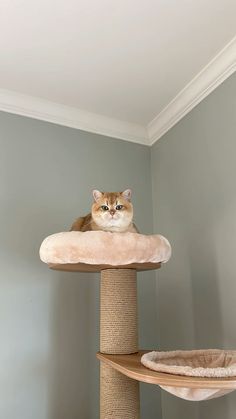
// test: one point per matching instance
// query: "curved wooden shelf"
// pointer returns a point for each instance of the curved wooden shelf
(131, 366)
(84, 267)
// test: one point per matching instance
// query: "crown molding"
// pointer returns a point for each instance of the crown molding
(209, 78)
(37, 108)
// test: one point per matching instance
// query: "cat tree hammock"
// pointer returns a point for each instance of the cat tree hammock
(118, 256)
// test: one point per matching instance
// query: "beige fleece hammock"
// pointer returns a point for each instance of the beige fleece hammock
(211, 363)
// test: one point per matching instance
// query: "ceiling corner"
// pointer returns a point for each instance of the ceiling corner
(209, 78)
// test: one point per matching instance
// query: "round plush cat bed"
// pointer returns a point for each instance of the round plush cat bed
(104, 248)
(208, 363)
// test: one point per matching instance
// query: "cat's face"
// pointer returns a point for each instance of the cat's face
(112, 211)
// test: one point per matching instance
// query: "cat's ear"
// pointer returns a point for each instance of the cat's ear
(97, 195)
(127, 194)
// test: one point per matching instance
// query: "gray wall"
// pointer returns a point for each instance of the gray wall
(194, 201)
(49, 320)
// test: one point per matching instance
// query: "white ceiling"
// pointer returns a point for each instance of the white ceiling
(125, 60)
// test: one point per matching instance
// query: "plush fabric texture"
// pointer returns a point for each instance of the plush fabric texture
(196, 363)
(104, 248)
(196, 394)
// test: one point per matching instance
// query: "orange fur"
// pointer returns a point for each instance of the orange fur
(111, 211)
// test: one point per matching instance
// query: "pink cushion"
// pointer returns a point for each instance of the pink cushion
(100, 247)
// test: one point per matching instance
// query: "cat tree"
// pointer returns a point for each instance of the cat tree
(118, 257)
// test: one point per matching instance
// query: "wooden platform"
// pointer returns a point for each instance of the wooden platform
(131, 366)
(84, 267)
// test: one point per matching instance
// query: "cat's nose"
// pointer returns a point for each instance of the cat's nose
(112, 212)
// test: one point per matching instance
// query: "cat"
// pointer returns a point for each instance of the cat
(111, 211)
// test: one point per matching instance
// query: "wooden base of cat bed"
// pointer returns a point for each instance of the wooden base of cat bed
(85, 267)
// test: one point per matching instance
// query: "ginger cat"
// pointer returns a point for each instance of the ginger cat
(111, 211)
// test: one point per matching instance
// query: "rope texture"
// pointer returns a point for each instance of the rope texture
(119, 395)
(118, 313)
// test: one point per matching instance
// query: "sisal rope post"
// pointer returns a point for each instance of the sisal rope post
(118, 312)
(119, 395)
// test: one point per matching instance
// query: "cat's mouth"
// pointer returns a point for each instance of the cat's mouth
(113, 221)
(113, 217)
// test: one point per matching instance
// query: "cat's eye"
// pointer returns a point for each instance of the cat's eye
(119, 207)
(104, 208)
